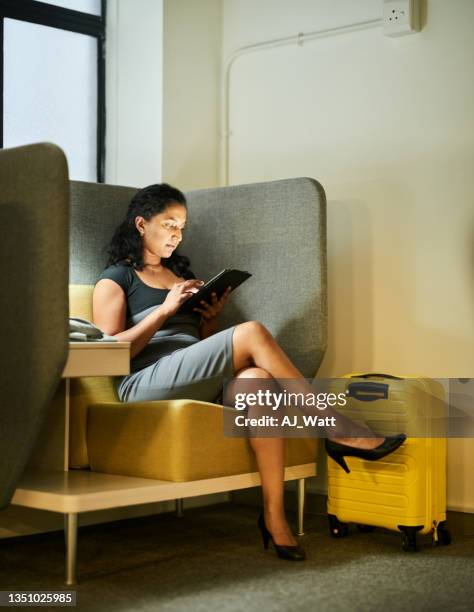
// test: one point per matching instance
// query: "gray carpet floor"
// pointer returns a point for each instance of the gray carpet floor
(213, 559)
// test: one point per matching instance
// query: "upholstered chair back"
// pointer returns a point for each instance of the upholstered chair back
(275, 230)
(34, 250)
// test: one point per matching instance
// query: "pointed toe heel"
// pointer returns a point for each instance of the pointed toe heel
(338, 458)
(337, 451)
(289, 553)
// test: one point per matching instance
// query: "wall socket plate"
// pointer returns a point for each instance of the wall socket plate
(401, 17)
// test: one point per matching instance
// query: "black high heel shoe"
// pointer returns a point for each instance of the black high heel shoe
(290, 553)
(338, 451)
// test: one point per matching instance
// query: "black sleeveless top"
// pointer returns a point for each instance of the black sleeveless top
(179, 331)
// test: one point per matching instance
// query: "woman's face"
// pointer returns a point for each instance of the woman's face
(162, 234)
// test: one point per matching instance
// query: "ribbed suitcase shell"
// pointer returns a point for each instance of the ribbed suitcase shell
(406, 488)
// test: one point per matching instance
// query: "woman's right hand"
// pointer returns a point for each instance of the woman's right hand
(178, 294)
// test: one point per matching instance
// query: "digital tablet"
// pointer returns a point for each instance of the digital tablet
(219, 283)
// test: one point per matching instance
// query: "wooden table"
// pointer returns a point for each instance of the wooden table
(97, 359)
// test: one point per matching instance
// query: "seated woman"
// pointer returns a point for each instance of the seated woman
(175, 355)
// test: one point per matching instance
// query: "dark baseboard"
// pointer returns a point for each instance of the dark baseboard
(314, 503)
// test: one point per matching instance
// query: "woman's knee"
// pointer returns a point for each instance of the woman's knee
(247, 337)
(249, 379)
(252, 330)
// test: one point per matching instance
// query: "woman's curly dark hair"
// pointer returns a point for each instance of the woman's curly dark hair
(126, 246)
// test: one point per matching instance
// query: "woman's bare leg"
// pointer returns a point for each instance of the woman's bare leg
(254, 346)
(269, 453)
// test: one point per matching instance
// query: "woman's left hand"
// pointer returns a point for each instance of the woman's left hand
(210, 311)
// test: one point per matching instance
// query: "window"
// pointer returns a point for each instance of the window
(53, 79)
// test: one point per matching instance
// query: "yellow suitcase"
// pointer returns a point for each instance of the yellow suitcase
(406, 490)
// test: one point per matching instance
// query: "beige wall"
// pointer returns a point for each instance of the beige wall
(191, 73)
(387, 126)
(134, 85)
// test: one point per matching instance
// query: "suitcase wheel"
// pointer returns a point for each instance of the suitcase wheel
(441, 535)
(336, 528)
(409, 539)
(365, 528)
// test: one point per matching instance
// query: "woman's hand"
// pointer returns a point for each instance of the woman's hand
(209, 312)
(179, 293)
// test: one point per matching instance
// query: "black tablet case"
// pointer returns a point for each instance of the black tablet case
(219, 283)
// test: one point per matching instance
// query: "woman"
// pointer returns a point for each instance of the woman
(136, 299)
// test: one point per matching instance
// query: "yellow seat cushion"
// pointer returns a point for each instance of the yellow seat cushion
(177, 440)
(80, 301)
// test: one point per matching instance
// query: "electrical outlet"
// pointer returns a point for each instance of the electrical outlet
(401, 17)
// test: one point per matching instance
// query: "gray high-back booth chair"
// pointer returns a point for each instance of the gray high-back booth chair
(275, 230)
(34, 250)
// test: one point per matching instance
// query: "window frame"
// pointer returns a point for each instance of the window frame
(73, 21)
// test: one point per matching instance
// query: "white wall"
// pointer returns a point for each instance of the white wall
(163, 72)
(192, 56)
(134, 92)
(387, 126)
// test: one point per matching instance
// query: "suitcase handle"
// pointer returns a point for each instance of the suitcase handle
(376, 374)
(367, 391)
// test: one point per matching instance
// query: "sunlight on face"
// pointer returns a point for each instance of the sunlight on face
(163, 232)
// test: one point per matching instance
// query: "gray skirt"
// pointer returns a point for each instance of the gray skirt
(198, 371)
